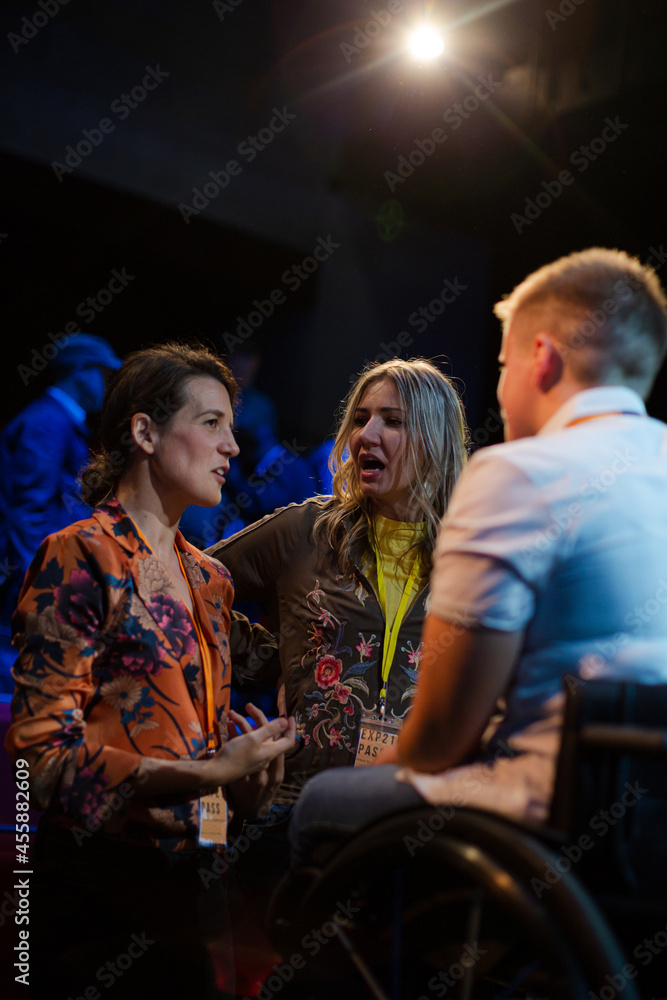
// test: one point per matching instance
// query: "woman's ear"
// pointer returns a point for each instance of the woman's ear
(143, 432)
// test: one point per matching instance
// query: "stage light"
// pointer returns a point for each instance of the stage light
(425, 43)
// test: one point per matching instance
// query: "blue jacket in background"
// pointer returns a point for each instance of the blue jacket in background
(42, 451)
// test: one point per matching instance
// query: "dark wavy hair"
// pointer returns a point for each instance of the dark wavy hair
(153, 381)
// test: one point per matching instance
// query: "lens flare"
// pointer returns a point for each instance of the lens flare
(426, 43)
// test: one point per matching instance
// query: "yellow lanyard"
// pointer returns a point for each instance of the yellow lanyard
(211, 738)
(391, 631)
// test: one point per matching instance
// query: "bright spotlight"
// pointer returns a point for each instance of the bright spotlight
(426, 43)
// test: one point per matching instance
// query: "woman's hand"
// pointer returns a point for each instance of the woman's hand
(257, 752)
(252, 793)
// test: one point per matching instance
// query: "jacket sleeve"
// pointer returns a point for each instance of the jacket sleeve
(254, 653)
(258, 559)
(62, 628)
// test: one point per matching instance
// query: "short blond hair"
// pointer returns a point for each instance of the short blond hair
(607, 310)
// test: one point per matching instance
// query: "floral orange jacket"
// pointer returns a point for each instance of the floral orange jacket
(109, 671)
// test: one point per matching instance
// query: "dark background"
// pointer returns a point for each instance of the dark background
(558, 68)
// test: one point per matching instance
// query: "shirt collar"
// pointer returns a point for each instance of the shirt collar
(76, 412)
(117, 522)
(593, 402)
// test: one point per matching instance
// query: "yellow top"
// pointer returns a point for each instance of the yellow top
(394, 538)
(397, 580)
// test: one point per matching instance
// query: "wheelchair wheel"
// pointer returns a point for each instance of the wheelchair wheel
(450, 915)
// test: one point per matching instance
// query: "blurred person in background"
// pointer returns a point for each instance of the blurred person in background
(42, 451)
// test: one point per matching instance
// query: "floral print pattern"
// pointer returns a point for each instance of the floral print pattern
(327, 671)
(122, 693)
(412, 668)
(172, 617)
(340, 694)
(365, 647)
(72, 603)
(325, 618)
(110, 672)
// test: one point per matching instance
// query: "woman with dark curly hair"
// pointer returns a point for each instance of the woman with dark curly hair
(121, 704)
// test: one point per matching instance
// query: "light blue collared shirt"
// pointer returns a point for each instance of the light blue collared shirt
(562, 536)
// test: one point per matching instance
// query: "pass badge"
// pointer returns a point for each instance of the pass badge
(212, 819)
(374, 735)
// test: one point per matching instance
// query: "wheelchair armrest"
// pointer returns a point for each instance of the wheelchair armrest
(623, 739)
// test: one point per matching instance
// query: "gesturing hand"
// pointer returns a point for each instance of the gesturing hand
(252, 793)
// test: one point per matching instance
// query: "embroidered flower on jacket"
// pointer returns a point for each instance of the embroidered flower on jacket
(327, 671)
(166, 821)
(326, 618)
(48, 624)
(334, 736)
(302, 734)
(360, 593)
(123, 692)
(316, 635)
(365, 647)
(341, 693)
(415, 655)
(71, 729)
(313, 711)
(348, 710)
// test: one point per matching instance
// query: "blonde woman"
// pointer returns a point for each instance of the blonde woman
(347, 575)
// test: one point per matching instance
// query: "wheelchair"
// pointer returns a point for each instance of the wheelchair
(454, 902)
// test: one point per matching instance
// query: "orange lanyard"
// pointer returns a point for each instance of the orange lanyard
(211, 738)
(610, 413)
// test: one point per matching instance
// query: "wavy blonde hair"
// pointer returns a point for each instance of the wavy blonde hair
(437, 442)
